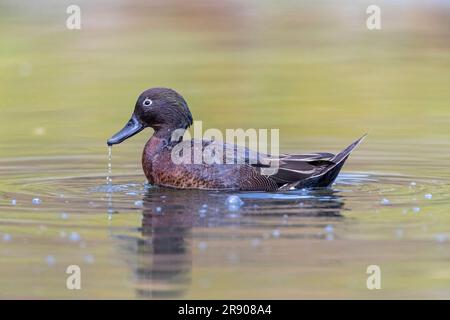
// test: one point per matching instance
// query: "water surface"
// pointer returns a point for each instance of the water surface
(311, 70)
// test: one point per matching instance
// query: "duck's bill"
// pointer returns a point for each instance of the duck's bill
(131, 128)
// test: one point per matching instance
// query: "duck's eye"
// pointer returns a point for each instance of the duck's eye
(147, 102)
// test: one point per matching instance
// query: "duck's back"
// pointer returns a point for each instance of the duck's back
(166, 165)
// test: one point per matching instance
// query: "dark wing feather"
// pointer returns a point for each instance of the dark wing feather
(299, 167)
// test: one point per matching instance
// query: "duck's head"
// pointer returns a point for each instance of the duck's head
(162, 109)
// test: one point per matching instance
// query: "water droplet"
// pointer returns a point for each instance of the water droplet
(36, 201)
(329, 229)
(75, 237)
(139, 203)
(413, 184)
(50, 260)
(158, 209)
(428, 196)
(7, 237)
(202, 212)
(202, 245)
(64, 215)
(276, 233)
(13, 202)
(205, 206)
(416, 209)
(385, 202)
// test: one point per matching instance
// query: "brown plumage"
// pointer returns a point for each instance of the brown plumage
(239, 169)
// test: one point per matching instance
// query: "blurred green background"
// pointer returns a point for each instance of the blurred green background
(310, 68)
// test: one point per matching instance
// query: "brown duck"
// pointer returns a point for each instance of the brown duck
(167, 113)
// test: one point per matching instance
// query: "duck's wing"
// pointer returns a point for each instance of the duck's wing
(293, 165)
(214, 151)
(316, 171)
(287, 171)
(297, 167)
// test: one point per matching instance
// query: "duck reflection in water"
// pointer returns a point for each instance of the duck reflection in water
(161, 258)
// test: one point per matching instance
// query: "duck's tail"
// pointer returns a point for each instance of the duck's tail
(327, 176)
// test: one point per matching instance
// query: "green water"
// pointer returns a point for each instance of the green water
(310, 69)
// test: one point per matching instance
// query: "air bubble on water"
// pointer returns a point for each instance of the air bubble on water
(50, 260)
(416, 209)
(413, 184)
(428, 196)
(36, 201)
(276, 233)
(64, 215)
(7, 237)
(89, 258)
(234, 201)
(13, 202)
(158, 209)
(385, 202)
(329, 229)
(205, 206)
(139, 203)
(202, 245)
(74, 236)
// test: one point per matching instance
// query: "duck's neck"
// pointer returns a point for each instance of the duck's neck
(160, 139)
(169, 133)
(154, 145)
